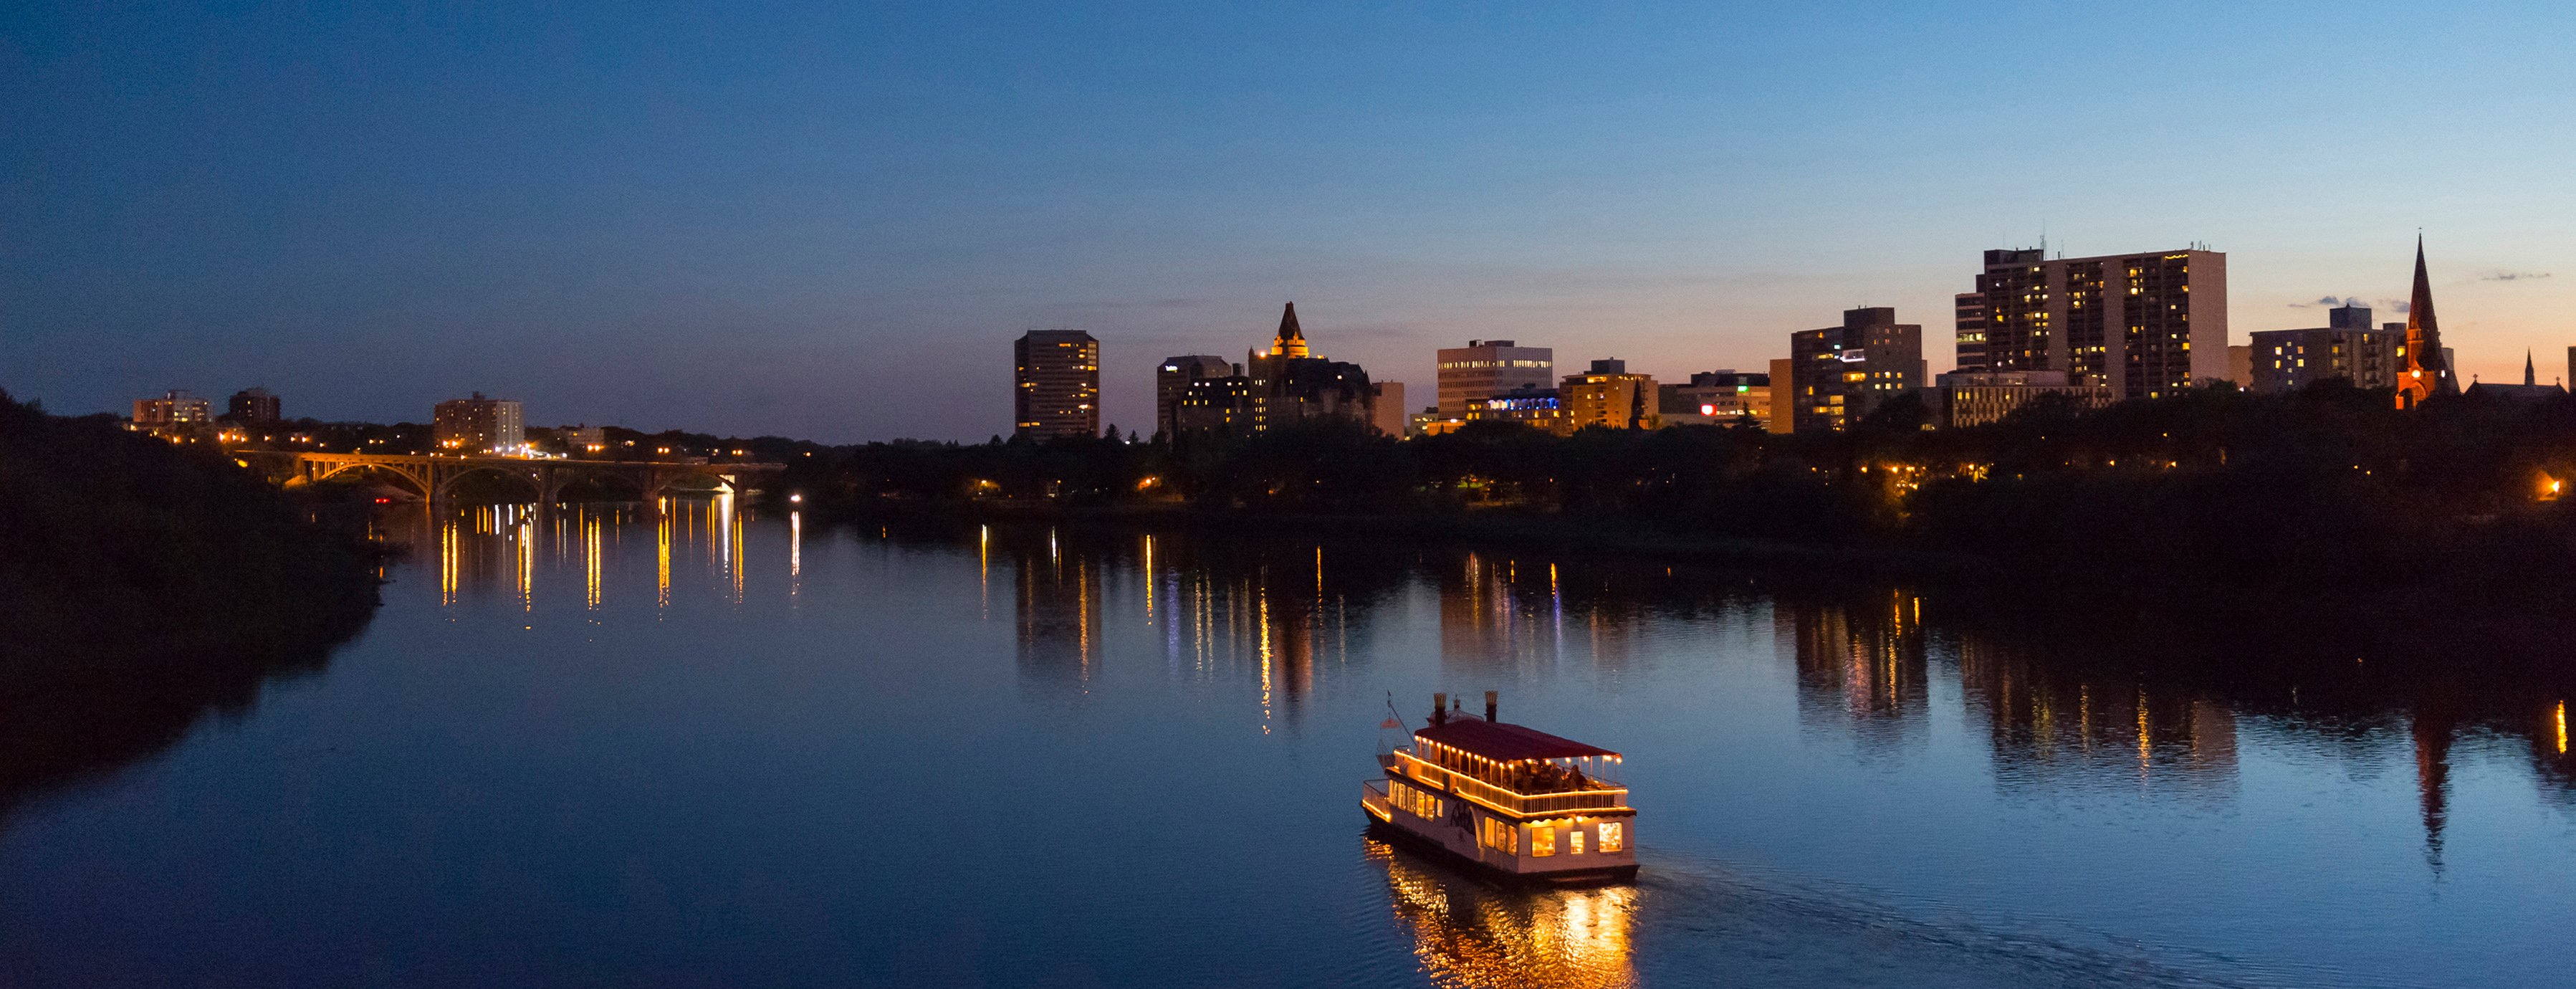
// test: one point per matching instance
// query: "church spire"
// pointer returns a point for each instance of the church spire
(2427, 374)
(1291, 341)
(2530, 375)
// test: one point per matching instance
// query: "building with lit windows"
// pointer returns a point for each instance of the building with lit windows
(1282, 384)
(2146, 325)
(1539, 408)
(1607, 395)
(1969, 319)
(1485, 368)
(1055, 384)
(253, 407)
(2347, 347)
(1975, 398)
(1172, 380)
(1720, 397)
(479, 425)
(173, 408)
(1840, 374)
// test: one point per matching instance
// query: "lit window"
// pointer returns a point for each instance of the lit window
(1542, 841)
(1576, 838)
(1612, 838)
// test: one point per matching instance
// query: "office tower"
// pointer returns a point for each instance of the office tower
(253, 407)
(1608, 395)
(1840, 374)
(2427, 370)
(479, 425)
(1970, 319)
(173, 408)
(1056, 379)
(1541, 408)
(2147, 325)
(1486, 368)
(1172, 384)
(2347, 347)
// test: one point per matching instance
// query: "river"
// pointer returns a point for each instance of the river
(698, 746)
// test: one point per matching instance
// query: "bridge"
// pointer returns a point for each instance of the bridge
(434, 476)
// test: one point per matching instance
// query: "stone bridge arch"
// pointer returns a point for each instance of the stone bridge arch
(418, 481)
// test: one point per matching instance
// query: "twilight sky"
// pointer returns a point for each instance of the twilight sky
(830, 219)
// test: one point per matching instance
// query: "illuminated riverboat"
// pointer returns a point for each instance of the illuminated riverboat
(1515, 801)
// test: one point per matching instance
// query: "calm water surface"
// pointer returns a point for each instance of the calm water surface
(623, 747)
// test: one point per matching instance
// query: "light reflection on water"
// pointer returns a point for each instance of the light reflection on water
(1839, 787)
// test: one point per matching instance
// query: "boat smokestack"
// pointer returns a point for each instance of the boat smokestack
(1489, 705)
(1440, 708)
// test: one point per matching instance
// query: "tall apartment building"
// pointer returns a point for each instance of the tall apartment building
(174, 408)
(1969, 318)
(1840, 374)
(2147, 325)
(1055, 384)
(2347, 347)
(479, 425)
(253, 407)
(1609, 396)
(1485, 368)
(1172, 385)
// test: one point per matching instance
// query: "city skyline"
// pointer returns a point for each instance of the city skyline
(822, 225)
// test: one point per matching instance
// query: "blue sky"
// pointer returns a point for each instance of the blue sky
(829, 220)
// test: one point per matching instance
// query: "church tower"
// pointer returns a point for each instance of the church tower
(2426, 374)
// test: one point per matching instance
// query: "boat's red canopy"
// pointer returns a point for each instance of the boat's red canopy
(1505, 743)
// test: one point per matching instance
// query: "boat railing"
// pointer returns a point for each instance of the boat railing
(1506, 799)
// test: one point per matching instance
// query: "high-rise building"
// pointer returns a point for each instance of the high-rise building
(2427, 368)
(1721, 397)
(253, 407)
(2347, 347)
(1840, 374)
(1486, 368)
(1056, 384)
(479, 425)
(173, 408)
(1609, 396)
(1172, 384)
(1970, 320)
(2147, 325)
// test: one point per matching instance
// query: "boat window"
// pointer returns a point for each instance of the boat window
(1613, 837)
(1574, 839)
(1542, 841)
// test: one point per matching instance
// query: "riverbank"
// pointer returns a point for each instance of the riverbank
(142, 585)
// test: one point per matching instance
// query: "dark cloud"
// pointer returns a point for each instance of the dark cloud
(2512, 276)
(2328, 301)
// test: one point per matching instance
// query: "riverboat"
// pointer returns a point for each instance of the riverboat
(1515, 802)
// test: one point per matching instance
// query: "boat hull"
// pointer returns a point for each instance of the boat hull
(1397, 833)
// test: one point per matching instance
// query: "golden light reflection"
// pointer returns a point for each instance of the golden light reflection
(984, 566)
(795, 551)
(526, 533)
(662, 554)
(591, 560)
(2562, 727)
(1468, 934)
(450, 547)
